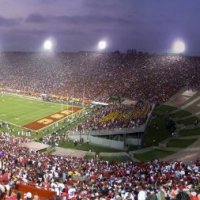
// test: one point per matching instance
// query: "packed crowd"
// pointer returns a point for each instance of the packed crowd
(98, 76)
(78, 178)
(54, 139)
(115, 116)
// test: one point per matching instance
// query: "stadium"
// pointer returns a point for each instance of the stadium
(95, 123)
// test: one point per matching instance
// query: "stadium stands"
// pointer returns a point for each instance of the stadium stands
(115, 116)
(78, 178)
(99, 76)
(95, 76)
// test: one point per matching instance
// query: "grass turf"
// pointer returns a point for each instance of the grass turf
(165, 109)
(190, 132)
(156, 131)
(180, 143)
(188, 121)
(115, 158)
(19, 110)
(180, 114)
(87, 147)
(152, 155)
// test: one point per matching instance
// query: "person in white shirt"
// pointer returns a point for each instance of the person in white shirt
(142, 195)
(71, 192)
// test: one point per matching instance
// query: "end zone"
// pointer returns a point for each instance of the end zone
(48, 120)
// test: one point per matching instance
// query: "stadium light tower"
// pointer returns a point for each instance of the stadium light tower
(102, 45)
(48, 45)
(179, 46)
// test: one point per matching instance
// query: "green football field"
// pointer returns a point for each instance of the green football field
(20, 110)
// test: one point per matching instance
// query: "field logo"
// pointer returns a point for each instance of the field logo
(57, 116)
(41, 123)
(45, 121)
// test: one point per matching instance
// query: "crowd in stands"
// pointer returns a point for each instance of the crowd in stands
(54, 139)
(97, 76)
(115, 116)
(85, 179)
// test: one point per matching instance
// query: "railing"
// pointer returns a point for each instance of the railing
(36, 191)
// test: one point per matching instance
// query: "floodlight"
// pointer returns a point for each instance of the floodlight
(48, 45)
(179, 46)
(102, 45)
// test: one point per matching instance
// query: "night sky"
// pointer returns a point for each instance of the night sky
(147, 25)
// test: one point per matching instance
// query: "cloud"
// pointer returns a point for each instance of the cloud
(41, 33)
(98, 4)
(8, 22)
(35, 18)
(75, 19)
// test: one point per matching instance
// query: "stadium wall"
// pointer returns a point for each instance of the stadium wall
(103, 142)
(116, 131)
(133, 141)
(107, 143)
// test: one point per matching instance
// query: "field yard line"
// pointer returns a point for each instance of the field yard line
(38, 99)
(22, 126)
(34, 98)
(14, 124)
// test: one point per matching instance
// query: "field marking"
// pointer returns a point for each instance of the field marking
(39, 99)
(19, 126)
(22, 126)
(53, 104)
(45, 127)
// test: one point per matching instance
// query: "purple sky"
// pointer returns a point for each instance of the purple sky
(148, 25)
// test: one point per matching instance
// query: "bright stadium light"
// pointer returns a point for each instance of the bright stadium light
(179, 46)
(48, 45)
(102, 45)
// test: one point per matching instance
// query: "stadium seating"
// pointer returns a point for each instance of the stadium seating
(145, 78)
(70, 177)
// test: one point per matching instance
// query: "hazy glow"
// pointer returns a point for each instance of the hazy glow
(179, 46)
(102, 45)
(48, 45)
